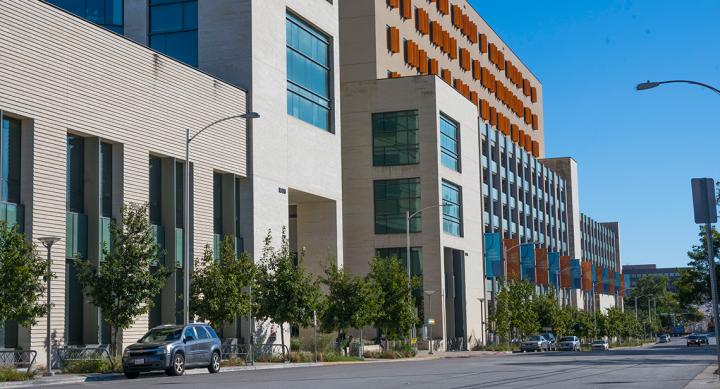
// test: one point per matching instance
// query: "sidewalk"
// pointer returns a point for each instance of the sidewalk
(706, 379)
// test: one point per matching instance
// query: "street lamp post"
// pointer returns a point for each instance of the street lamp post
(430, 320)
(408, 218)
(186, 208)
(48, 242)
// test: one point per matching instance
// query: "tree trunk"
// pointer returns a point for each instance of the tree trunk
(282, 339)
(114, 347)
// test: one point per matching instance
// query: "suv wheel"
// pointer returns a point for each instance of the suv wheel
(131, 374)
(214, 363)
(178, 365)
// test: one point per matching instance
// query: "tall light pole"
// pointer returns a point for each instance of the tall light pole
(186, 208)
(48, 242)
(429, 319)
(705, 207)
(408, 217)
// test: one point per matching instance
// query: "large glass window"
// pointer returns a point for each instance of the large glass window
(395, 138)
(10, 160)
(393, 198)
(106, 158)
(155, 203)
(217, 203)
(106, 13)
(308, 73)
(174, 29)
(452, 208)
(449, 143)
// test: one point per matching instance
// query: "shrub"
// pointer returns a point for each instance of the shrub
(337, 357)
(233, 362)
(9, 374)
(87, 366)
(270, 358)
(295, 344)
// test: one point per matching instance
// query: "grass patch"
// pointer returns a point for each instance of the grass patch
(233, 362)
(9, 374)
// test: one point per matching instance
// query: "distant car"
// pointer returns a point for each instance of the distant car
(569, 343)
(694, 340)
(173, 348)
(551, 339)
(664, 338)
(535, 343)
(704, 339)
(600, 344)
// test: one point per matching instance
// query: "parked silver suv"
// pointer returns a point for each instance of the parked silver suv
(569, 343)
(173, 348)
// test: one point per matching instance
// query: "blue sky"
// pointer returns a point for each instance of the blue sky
(636, 151)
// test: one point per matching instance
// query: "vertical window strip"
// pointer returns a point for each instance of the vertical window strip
(395, 138)
(392, 200)
(449, 143)
(452, 208)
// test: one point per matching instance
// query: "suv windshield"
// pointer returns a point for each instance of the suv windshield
(693, 337)
(567, 339)
(536, 338)
(159, 335)
(598, 341)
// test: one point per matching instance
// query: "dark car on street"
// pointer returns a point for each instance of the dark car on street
(696, 340)
(173, 348)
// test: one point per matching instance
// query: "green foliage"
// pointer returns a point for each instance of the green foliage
(123, 286)
(9, 375)
(546, 309)
(93, 366)
(219, 289)
(285, 293)
(396, 312)
(22, 276)
(351, 301)
(516, 311)
(652, 292)
(563, 322)
(694, 283)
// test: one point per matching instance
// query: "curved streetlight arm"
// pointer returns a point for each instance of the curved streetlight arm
(412, 215)
(243, 116)
(650, 85)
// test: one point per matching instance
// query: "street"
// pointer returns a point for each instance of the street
(658, 366)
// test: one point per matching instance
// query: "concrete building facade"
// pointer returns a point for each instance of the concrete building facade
(285, 53)
(100, 123)
(634, 272)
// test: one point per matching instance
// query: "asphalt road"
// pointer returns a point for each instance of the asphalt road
(659, 366)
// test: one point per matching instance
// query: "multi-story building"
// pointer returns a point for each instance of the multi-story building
(444, 124)
(280, 59)
(634, 272)
(601, 258)
(91, 122)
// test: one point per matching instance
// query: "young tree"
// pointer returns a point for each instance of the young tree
(397, 312)
(616, 322)
(546, 309)
(122, 286)
(563, 321)
(22, 276)
(285, 293)
(523, 317)
(350, 302)
(694, 283)
(219, 288)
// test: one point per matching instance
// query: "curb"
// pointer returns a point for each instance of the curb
(706, 379)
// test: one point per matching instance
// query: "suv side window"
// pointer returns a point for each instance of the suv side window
(189, 331)
(211, 331)
(202, 334)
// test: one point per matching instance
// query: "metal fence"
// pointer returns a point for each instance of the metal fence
(17, 358)
(456, 344)
(83, 353)
(242, 351)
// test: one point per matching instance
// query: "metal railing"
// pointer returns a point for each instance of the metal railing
(456, 344)
(18, 358)
(83, 353)
(242, 351)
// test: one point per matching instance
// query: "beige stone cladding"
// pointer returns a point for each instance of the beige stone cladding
(64, 75)
(431, 97)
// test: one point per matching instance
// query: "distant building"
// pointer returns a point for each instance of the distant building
(635, 272)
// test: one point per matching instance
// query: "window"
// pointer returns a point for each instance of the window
(106, 158)
(393, 198)
(75, 196)
(449, 143)
(174, 29)
(395, 138)
(190, 332)
(179, 194)
(201, 332)
(401, 254)
(452, 209)
(217, 203)
(106, 13)
(308, 73)
(10, 160)
(155, 202)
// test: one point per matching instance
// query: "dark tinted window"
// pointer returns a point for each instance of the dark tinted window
(107, 13)
(211, 331)
(190, 332)
(174, 29)
(201, 333)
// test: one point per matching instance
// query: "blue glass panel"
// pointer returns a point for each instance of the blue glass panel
(10, 149)
(449, 144)
(190, 16)
(183, 46)
(452, 209)
(166, 18)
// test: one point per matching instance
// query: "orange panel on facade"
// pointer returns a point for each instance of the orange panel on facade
(464, 59)
(476, 70)
(407, 9)
(565, 276)
(436, 34)
(622, 285)
(422, 22)
(443, 6)
(598, 279)
(514, 133)
(521, 141)
(535, 149)
(423, 62)
(528, 116)
(474, 97)
(393, 75)
(434, 70)
(493, 116)
(393, 3)
(542, 274)
(485, 110)
(586, 276)
(512, 259)
(456, 16)
(535, 122)
(447, 76)
(611, 279)
(528, 142)
(533, 94)
(393, 39)
(526, 87)
(483, 43)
